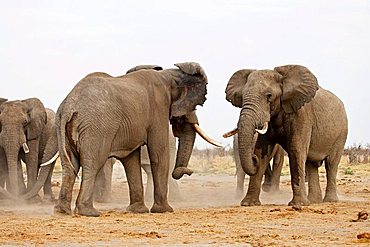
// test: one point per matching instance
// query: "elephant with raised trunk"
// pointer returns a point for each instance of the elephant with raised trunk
(27, 133)
(286, 106)
(105, 116)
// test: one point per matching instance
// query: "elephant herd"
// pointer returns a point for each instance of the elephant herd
(106, 118)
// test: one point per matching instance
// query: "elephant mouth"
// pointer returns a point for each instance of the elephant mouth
(259, 131)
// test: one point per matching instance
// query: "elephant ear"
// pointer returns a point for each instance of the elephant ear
(38, 118)
(140, 67)
(235, 87)
(299, 87)
(193, 87)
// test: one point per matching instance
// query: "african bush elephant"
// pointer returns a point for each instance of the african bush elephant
(103, 182)
(272, 174)
(309, 122)
(128, 111)
(28, 133)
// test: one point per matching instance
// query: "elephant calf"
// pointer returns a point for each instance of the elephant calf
(28, 133)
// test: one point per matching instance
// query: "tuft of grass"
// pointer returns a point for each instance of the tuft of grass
(348, 171)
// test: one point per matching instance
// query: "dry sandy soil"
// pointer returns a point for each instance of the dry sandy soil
(208, 215)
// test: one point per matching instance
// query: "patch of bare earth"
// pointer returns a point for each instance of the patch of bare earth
(208, 214)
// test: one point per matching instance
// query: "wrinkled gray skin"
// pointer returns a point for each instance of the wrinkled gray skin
(272, 174)
(309, 122)
(128, 112)
(103, 183)
(27, 121)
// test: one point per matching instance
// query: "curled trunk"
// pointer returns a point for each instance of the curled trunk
(185, 148)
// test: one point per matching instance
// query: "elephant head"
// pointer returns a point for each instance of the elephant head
(20, 122)
(188, 90)
(263, 95)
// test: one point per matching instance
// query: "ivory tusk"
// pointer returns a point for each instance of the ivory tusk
(264, 129)
(204, 136)
(51, 160)
(25, 148)
(230, 133)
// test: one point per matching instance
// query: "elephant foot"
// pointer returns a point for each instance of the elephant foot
(137, 208)
(49, 198)
(87, 211)
(266, 187)
(299, 201)
(333, 197)
(62, 209)
(246, 202)
(314, 198)
(161, 208)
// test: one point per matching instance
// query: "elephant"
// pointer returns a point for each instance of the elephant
(105, 116)
(28, 133)
(272, 174)
(103, 182)
(287, 106)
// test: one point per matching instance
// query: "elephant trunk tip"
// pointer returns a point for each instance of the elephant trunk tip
(254, 169)
(180, 171)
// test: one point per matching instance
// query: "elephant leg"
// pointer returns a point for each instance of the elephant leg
(3, 168)
(331, 167)
(85, 198)
(240, 177)
(314, 190)
(48, 192)
(103, 182)
(21, 183)
(254, 187)
(266, 186)
(277, 166)
(159, 161)
(32, 163)
(135, 183)
(297, 170)
(149, 190)
(68, 179)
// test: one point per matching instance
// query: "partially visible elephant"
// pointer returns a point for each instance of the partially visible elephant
(28, 133)
(286, 106)
(272, 174)
(103, 183)
(104, 117)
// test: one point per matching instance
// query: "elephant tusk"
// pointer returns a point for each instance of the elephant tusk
(51, 160)
(25, 148)
(204, 136)
(230, 133)
(264, 129)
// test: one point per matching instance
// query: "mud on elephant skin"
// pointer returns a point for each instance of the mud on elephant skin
(103, 183)
(272, 174)
(28, 133)
(309, 122)
(129, 111)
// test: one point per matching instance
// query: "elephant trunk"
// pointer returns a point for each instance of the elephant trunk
(11, 153)
(246, 141)
(185, 148)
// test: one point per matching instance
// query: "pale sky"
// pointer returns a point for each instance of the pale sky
(46, 47)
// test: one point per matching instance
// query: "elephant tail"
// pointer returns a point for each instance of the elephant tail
(61, 133)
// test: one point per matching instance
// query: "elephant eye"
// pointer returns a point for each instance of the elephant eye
(25, 122)
(269, 97)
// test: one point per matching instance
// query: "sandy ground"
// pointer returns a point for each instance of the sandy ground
(208, 215)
